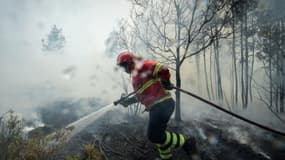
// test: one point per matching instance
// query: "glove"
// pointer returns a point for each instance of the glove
(126, 101)
(166, 84)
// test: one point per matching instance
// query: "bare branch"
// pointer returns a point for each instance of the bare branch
(190, 27)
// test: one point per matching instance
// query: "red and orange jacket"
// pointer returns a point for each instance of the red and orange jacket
(146, 82)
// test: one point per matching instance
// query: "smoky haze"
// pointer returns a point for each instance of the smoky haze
(257, 110)
(31, 76)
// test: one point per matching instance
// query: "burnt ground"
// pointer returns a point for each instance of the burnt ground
(125, 138)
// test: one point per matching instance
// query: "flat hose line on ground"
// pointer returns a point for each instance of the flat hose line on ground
(230, 113)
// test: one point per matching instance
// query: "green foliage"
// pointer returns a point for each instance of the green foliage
(72, 158)
(36, 149)
(10, 135)
(15, 146)
(92, 153)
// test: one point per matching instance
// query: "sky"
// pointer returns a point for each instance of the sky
(31, 76)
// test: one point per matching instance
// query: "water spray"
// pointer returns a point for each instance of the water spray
(77, 126)
(82, 123)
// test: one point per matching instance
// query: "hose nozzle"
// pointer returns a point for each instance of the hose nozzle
(123, 97)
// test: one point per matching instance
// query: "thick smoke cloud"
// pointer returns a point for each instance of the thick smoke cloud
(31, 76)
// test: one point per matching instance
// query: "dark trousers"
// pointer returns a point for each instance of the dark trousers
(159, 116)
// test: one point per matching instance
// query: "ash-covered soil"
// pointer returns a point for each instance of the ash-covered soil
(121, 137)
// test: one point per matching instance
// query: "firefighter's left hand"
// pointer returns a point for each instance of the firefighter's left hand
(126, 100)
(167, 85)
(124, 103)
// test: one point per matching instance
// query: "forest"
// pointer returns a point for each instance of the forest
(228, 52)
(236, 47)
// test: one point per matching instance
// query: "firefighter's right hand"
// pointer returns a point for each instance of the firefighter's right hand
(166, 84)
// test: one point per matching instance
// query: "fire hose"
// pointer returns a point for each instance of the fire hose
(215, 106)
(230, 113)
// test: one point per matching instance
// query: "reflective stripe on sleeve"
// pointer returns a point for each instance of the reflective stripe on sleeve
(157, 68)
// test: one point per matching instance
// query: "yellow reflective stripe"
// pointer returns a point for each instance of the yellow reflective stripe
(157, 67)
(174, 140)
(146, 85)
(167, 139)
(168, 150)
(165, 156)
(166, 153)
(168, 96)
(182, 140)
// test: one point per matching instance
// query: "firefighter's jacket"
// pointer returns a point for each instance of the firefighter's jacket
(146, 81)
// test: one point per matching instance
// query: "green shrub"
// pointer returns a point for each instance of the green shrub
(14, 145)
(72, 158)
(92, 153)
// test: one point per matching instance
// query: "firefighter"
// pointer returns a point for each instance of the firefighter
(151, 82)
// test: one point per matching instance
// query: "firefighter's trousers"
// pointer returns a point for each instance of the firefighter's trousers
(159, 116)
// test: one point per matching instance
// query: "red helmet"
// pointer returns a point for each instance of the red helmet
(125, 57)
